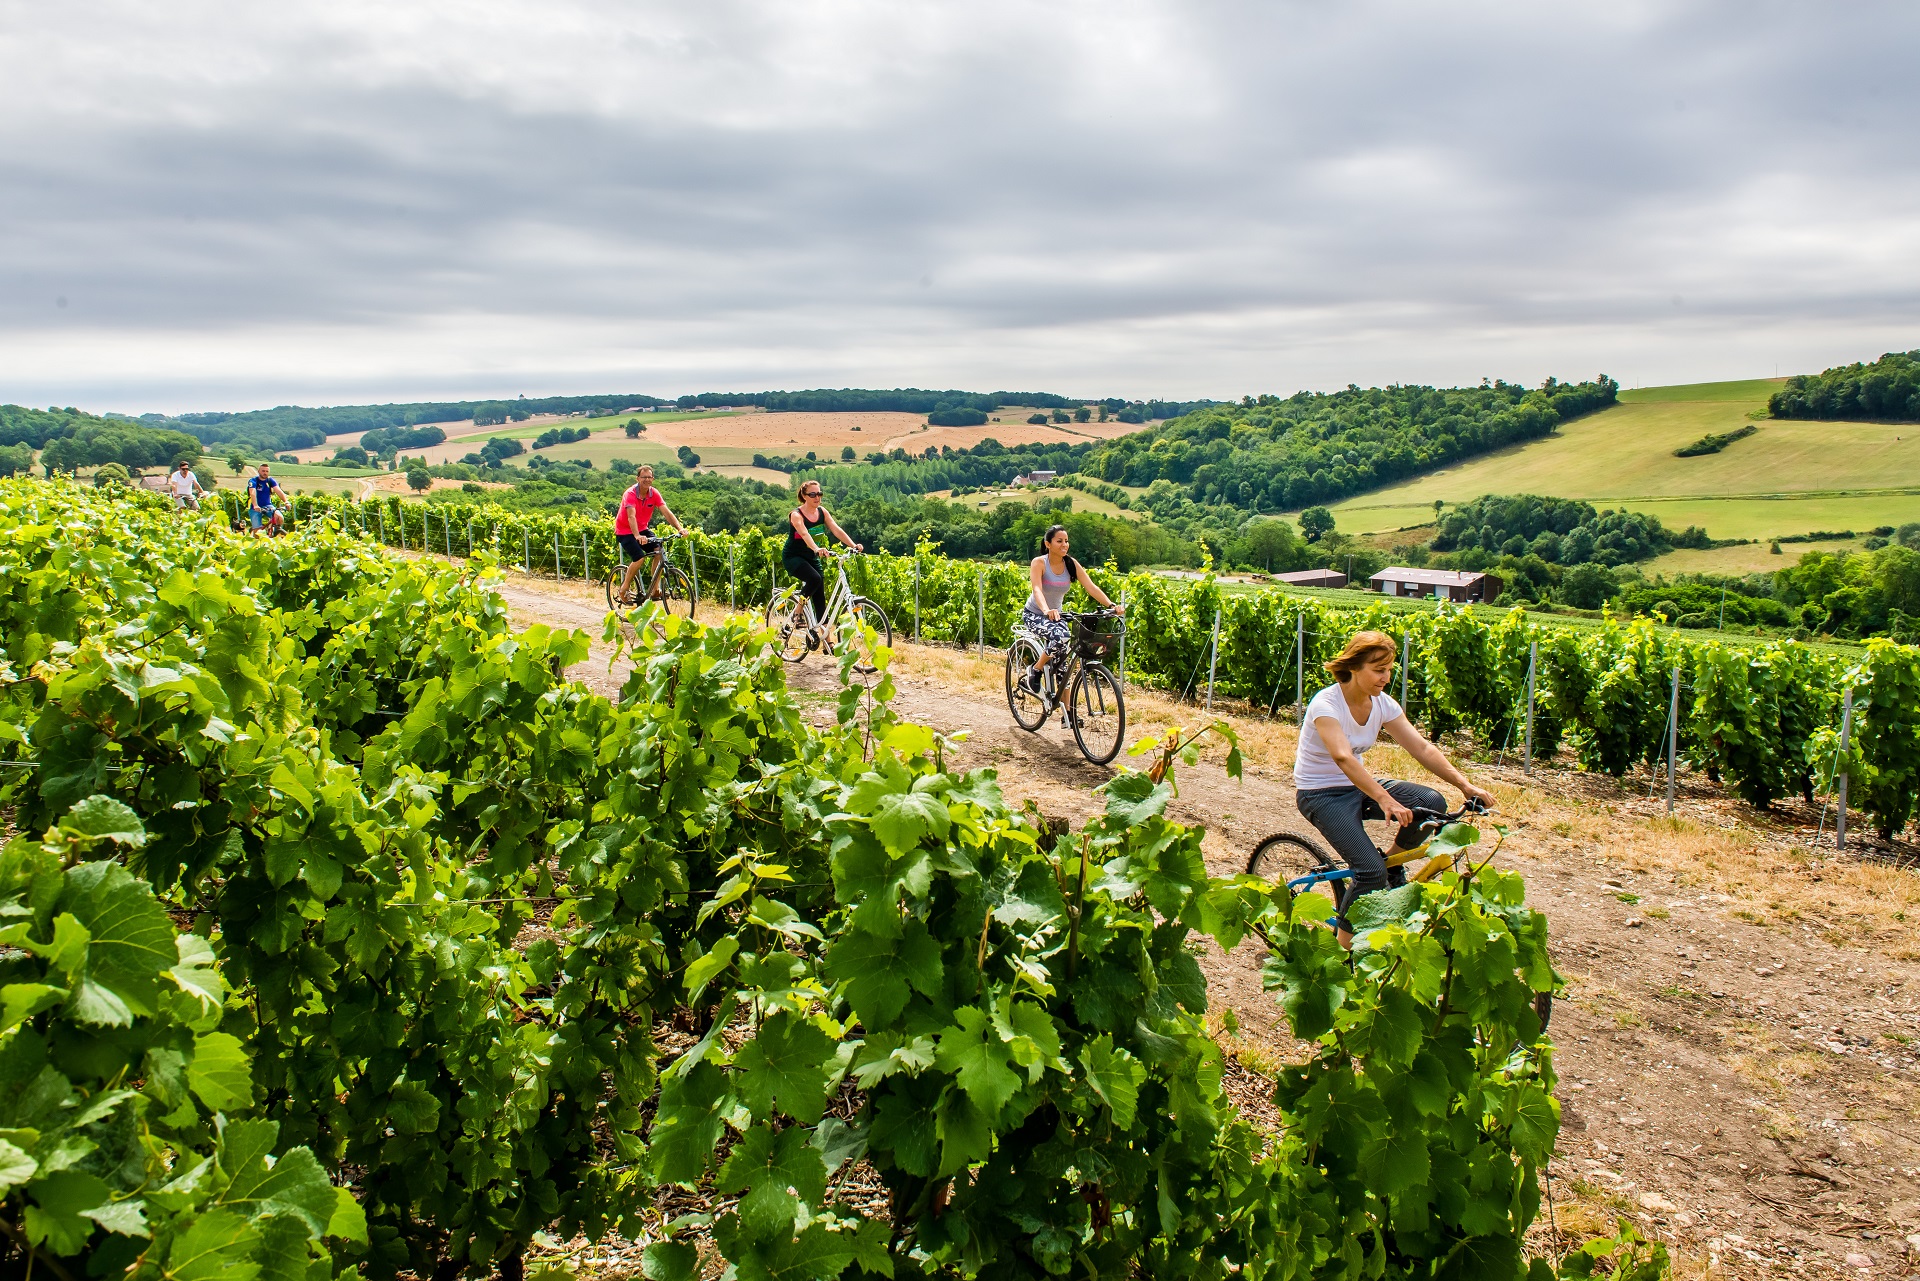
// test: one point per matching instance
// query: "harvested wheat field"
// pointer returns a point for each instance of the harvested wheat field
(827, 434)
(1737, 1038)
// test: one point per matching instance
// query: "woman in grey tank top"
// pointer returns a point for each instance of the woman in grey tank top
(1054, 574)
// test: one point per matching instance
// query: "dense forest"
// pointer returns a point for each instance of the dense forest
(1888, 390)
(69, 438)
(1269, 454)
(1560, 531)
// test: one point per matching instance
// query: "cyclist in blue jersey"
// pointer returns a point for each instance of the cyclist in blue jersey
(263, 491)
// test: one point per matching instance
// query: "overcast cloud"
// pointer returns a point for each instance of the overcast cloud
(228, 205)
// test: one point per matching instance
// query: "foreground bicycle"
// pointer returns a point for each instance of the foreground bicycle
(1096, 709)
(848, 619)
(669, 584)
(1305, 866)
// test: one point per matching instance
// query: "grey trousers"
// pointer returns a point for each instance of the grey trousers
(1338, 812)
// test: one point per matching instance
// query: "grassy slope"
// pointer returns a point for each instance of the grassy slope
(1788, 478)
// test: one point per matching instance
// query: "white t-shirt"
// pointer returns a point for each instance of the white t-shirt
(1313, 766)
(182, 483)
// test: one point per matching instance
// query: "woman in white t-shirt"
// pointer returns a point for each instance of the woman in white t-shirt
(1335, 792)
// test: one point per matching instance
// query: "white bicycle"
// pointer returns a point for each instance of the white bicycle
(849, 618)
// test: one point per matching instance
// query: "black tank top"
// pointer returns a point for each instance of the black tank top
(816, 529)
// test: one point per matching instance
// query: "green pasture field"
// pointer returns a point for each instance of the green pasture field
(1746, 558)
(1789, 477)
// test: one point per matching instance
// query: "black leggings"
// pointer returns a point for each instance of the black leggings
(812, 579)
(1338, 813)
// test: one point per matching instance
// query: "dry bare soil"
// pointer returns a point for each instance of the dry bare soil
(1736, 1042)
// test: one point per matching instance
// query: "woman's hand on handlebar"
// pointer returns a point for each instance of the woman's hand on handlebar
(1478, 794)
(1394, 810)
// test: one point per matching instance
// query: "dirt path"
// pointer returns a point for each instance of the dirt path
(1737, 1041)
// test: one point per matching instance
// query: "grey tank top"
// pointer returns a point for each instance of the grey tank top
(1054, 587)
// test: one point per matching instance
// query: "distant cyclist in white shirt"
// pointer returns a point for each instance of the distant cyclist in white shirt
(1335, 792)
(185, 487)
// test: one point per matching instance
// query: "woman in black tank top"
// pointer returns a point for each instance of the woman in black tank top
(807, 528)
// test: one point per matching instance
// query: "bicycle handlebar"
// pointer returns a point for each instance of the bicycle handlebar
(1435, 819)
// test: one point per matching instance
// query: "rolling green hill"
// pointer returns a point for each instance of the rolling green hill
(1789, 477)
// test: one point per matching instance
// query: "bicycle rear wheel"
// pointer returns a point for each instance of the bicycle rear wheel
(1098, 711)
(787, 617)
(1029, 709)
(1284, 857)
(616, 597)
(861, 615)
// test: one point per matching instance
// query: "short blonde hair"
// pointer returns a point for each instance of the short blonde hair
(1364, 650)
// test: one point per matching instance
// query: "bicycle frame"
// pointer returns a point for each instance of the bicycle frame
(1434, 866)
(660, 561)
(838, 599)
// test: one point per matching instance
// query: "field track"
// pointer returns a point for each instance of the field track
(1738, 1070)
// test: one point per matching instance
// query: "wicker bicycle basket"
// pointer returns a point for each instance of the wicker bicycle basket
(1099, 642)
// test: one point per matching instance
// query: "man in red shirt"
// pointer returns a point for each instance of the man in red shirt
(632, 521)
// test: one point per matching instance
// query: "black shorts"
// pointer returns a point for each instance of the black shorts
(637, 546)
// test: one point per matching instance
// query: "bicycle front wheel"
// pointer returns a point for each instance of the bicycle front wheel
(1099, 714)
(863, 615)
(1284, 857)
(787, 617)
(1029, 709)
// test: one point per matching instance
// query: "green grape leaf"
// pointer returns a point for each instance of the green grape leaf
(972, 1050)
(21, 1001)
(16, 1167)
(1132, 799)
(198, 973)
(879, 974)
(1114, 1075)
(788, 1064)
(840, 1141)
(966, 1132)
(220, 1072)
(688, 1126)
(57, 1207)
(1310, 991)
(903, 820)
(348, 1222)
(105, 819)
(705, 967)
(216, 1246)
(779, 1173)
(132, 939)
(1483, 1258)
(1535, 1121)
(1395, 1161)
(413, 1108)
(123, 1218)
(1454, 838)
(904, 1127)
(1397, 1027)
(670, 1261)
(1383, 907)
(293, 1185)
(817, 1254)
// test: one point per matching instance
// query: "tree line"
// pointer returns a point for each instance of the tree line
(1888, 390)
(70, 438)
(1270, 454)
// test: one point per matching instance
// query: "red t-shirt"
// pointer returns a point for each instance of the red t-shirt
(636, 511)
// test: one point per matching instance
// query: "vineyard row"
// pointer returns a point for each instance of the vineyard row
(1764, 719)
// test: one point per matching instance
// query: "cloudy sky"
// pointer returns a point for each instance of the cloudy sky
(227, 205)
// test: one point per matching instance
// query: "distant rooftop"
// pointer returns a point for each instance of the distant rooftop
(1429, 577)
